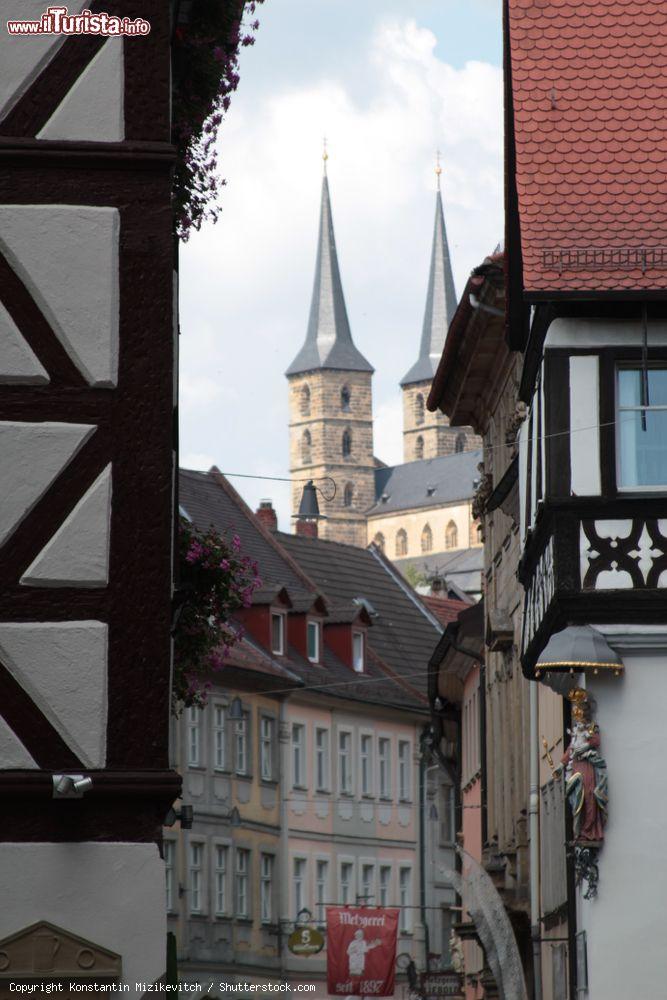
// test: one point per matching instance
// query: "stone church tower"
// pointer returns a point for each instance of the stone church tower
(330, 403)
(428, 435)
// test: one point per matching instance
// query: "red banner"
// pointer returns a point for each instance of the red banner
(361, 951)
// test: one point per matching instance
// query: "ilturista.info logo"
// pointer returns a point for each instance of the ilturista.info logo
(59, 21)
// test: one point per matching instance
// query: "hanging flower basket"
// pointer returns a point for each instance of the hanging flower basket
(215, 580)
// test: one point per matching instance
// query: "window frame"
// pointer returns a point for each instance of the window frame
(242, 745)
(358, 665)
(384, 793)
(401, 543)
(406, 923)
(219, 706)
(194, 725)
(346, 862)
(301, 748)
(619, 366)
(266, 888)
(385, 868)
(367, 899)
(325, 754)
(366, 788)
(221, 877)
(198, 843)
(242, 877)
(314, 623)
(299, 859)
(404, 789)
(282, 618)
(346, 789)
(266, 747)
(170, 856)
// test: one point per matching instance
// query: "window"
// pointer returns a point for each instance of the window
(346, 875)
(304, 402)
(299, 884)
(379, 541)
(241, 745)
(266, 888)
(427, 538)
(321, 889)
(451, 536)
(241, 900)
(401, 542)
(405, 899)
(194, 736)
(358, 651)
(460, 443)
(419, 408)
(306, 448)
(348, 495)
(446, 814)
(404, 749)
(277, 632)
(346, 444)
(419, 447)
(298, 755)
(384, 760)
(219, 738)
(385, 884)
(322, 759)
(366, 763)
(313, 641)
(345, 763)
(266, 726)
(220, 879)
(345, 398)
(471, 738)
(642, 429)
(367, 892)
(169, 854)
(196, 877)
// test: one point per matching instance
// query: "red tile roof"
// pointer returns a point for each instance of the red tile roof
(589, 83)
(445, 609)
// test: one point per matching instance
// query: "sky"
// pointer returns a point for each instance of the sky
(388, 82)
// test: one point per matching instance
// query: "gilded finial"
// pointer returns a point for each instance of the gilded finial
(438, 168)
(325, 154)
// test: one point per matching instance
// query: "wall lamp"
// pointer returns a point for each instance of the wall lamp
(185, 814)
(71, 786)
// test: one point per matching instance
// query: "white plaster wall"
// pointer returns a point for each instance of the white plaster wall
(23, 57)
(585, 425)
(626, 924)
(602, 333)
(111, 894)
(92, 110)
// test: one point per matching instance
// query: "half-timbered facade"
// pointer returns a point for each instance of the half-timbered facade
(86, 423)
(585, 238)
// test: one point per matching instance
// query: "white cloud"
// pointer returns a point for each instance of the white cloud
(246, 283)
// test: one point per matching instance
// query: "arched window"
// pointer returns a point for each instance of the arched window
(379, 541)
(419, 447)
(419, 408)
(306, 446)
(346, 445)
(348, 495)
(345, 398)
(460, 443)
(304, 403)
(451, 536)
(427, 538)
(401, 542)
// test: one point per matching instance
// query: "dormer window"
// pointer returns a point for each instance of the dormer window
(277, 633)
(358, 652)
(313, 640)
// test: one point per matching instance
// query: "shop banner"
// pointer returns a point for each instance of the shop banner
(361, 951)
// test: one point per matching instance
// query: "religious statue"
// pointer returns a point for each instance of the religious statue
(585, 772)
(456, 952)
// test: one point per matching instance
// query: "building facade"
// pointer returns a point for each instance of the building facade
(336, 800)
(86, 513)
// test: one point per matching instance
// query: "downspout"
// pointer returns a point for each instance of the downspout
(422, 849)
(534, 829)
(283, 868)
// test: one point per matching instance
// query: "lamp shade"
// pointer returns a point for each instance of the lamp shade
(309, 508)
(578, 647)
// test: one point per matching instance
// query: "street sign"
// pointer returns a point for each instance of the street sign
(305, 941)
(442, 984)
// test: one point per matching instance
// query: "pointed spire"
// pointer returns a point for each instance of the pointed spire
(440, 300)
(328, 341)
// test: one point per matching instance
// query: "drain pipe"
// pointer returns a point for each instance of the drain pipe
(534, 830)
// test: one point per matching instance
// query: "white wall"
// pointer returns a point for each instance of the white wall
(626, 924)
(110, 894)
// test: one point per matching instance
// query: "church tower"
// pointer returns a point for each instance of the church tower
(429, 435)
(330, 403)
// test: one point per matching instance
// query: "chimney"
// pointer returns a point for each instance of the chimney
(306, 529)
(267, 515)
